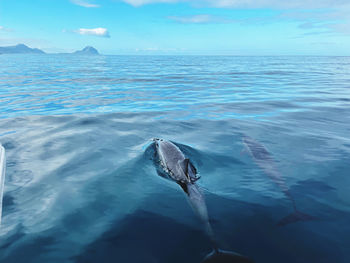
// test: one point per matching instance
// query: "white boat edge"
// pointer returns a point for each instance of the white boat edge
(2, 175)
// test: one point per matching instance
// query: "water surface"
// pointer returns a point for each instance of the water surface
(81, 187)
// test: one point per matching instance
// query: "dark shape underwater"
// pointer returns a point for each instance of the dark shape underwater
(265, 161)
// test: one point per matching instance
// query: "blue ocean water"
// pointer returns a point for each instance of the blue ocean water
(81, 187)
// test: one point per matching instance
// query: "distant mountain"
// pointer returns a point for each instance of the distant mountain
(87, 51)
(23, 49)
(20, 49)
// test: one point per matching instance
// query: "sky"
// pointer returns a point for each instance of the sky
(179, 27)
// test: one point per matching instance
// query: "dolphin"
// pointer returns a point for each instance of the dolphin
(2, 175)
(266, 162)
(176, 167)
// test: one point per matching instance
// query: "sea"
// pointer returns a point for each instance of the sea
(81, 186)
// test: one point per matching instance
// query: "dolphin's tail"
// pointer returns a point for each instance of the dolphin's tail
(2, 175)
(222, 256)
(196, 199)
(294, 217)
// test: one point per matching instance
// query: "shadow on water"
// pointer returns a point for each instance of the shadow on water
(147, 237)
(132, 215)
(158, 235)
(161, 235)
(125, 212)
(311, 187)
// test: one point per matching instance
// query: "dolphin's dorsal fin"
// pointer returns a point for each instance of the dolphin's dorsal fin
(184, 166)
(193, 169)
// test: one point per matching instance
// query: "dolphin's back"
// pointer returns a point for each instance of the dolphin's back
(257, 150)
(170, 153)
(170, 156)
(180, 169)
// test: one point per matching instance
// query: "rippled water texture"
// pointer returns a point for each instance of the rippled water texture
(81, 185)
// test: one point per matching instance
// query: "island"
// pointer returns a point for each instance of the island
(87, 51)
(23, 49)
(20, 49)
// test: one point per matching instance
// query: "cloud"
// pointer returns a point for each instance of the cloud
(276, 4)
(137, 3)
(200, 19)
(317, 16)
(84, 3)
(343, 28)
(196, 19)
(99, 32)
(5, 29)
(323, 21)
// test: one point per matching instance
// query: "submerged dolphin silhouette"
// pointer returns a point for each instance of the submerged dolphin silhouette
(265, 161)
(2, 175)
(176, 167)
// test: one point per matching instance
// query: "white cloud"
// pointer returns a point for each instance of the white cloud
(84, 3)
(342, 28)
(278, 4)
(200, 19)
(145, 2)
(100, 32)
(321, 21)
(5, 29)
(196, 19)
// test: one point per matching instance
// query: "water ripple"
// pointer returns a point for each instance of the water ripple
(52, 84)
